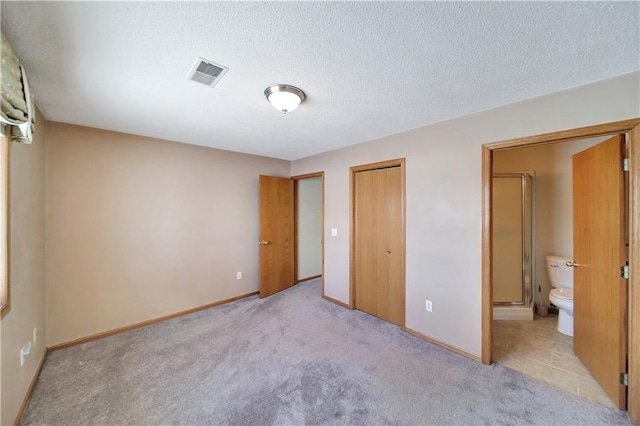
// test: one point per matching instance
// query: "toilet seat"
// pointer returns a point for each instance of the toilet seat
(563, 294)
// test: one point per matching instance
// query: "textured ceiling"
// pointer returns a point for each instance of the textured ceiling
(368, 69)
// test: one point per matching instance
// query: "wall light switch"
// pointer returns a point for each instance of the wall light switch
(26, 350)
(334, 232)
(239, 275)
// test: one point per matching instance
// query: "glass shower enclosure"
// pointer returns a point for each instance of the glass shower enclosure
(513, 260)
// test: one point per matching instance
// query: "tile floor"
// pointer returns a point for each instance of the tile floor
(537, 349)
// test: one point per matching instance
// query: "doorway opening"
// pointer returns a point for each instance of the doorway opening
(535, 346)
(309, 227)
(291, 240)
(632, 305)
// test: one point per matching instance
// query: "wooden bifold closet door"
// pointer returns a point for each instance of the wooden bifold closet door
(379, 243)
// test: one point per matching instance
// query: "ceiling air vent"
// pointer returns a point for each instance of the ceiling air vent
(207, 72)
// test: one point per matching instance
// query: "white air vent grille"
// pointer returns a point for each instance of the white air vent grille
(207, 72)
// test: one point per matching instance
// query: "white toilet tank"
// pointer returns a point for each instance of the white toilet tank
(560, 275)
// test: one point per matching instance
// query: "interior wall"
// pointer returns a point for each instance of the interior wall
(553, 199)
(140, 228)
(309, 217)
(27, 272)
(444, 204)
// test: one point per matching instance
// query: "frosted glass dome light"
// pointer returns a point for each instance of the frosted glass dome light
(283, 97)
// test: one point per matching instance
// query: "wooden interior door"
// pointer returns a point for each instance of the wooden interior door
(277, 244)
(379, 243)
(600, 294)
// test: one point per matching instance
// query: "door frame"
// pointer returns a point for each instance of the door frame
(295, 225)
(399, 162)
(632, 129)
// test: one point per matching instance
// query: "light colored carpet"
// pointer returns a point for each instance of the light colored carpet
(292, 358)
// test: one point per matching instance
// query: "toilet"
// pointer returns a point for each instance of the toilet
(561, 279)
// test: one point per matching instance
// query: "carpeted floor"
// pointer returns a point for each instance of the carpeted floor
(292, 358)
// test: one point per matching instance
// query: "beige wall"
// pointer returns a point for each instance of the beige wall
(309, 212)
(27, 269)
(553, 212)
(140, 228)
(444, 199)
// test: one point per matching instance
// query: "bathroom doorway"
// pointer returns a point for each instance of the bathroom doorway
(632, 130)
(550, 209)
(533, 346)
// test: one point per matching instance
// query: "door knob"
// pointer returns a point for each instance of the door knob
(263, 243)
(571, 264)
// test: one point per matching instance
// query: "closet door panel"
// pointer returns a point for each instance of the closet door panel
(390, 244)
(366, 247)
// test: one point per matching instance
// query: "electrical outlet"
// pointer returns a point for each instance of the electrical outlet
(239, 275)
(429, 306)
(35, 335)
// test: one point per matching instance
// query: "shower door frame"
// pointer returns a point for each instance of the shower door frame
(527, 293)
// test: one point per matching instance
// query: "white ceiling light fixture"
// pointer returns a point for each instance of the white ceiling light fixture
(283, 97)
